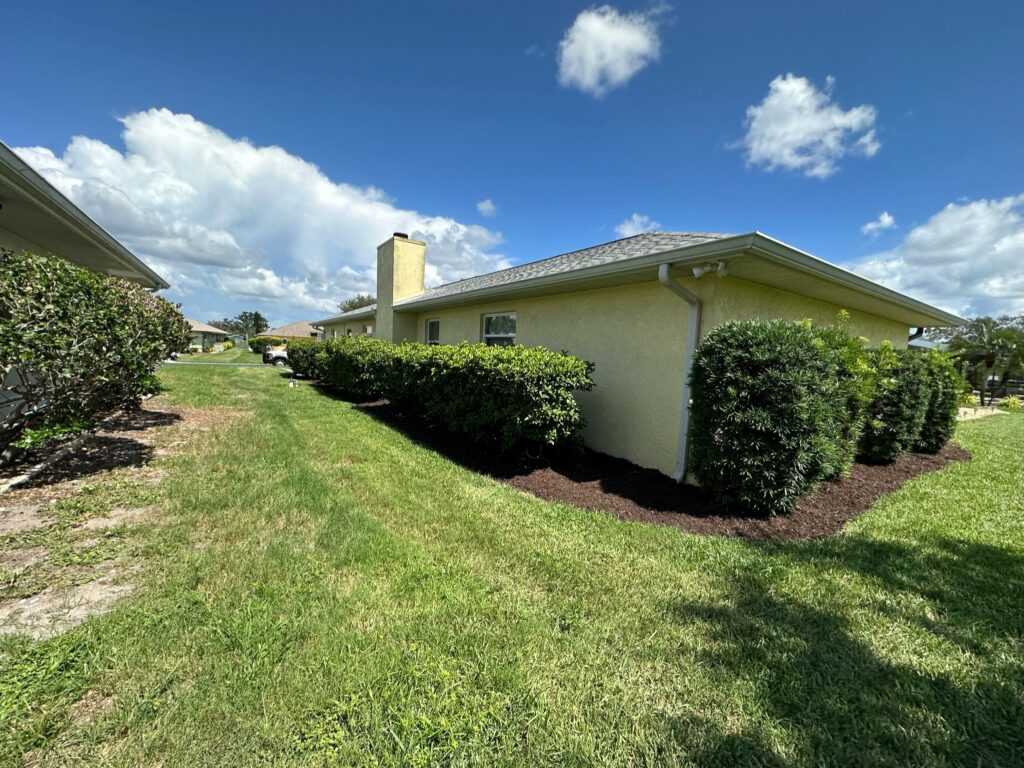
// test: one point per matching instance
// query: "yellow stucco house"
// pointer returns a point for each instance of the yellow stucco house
(636, 308)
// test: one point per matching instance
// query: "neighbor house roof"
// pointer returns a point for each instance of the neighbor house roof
(353, 314)
(753, 256)
(42, 218)
(198, 327)
(299, 329)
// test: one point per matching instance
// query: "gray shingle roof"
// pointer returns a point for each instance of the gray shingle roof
(352, 314)
(607, 253)
(198, 327)
(298, 329)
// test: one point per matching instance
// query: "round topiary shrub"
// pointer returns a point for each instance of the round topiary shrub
(768, 414)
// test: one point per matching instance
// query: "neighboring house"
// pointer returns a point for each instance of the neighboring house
(237, 338)
(297, 330)
(636, 308)
(35, 217)
(205, 337)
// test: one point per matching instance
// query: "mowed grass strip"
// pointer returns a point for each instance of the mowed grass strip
(329, 592)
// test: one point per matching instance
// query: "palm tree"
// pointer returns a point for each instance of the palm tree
(992, 351)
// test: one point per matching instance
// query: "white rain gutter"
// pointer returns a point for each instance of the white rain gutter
(689, 347)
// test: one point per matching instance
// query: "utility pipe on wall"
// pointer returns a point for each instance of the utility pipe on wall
(692, 336)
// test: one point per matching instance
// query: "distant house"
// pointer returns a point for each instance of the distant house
(205, 337)
(636, 308)
(297, 330)
(35, 217)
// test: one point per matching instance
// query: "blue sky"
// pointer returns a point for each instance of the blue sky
(808, 124)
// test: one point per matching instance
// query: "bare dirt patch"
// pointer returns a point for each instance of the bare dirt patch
(116, 517)
(53, 510)
(17, 560)
(19, 518)
(59, 608)
(90, 708)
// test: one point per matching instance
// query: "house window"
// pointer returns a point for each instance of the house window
(334, 333)
(433, 335)
(500, 329)
(368, 330)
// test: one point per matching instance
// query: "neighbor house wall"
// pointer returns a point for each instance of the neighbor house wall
(337, 330)
(634, 334)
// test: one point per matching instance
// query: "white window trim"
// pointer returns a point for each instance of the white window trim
(426, 330)
(484, 336)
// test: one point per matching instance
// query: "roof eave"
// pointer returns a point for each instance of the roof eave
(50, 198)
(776, 250)
(710, 249)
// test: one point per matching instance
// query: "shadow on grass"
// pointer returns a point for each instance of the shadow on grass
(108, 449)
(841, 702)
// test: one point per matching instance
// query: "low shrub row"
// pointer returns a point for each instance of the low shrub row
(75, 344)
(780, 406)
(260, 344)
(514, 396)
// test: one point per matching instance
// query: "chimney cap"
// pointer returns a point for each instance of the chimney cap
(402, 235)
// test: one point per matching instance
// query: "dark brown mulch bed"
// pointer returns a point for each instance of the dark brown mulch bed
(597, 481)
(632, 493)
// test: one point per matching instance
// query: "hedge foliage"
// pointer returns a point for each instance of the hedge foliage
(75, 344)
(780, 406)
(897, 412)
(947, 387)
(514, 396)
(768, 415)
(259, 344)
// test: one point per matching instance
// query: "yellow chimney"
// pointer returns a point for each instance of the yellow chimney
(401, 263)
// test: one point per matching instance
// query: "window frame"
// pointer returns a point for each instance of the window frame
(484, 336)
(426, 331)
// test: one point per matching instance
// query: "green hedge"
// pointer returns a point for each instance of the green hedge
(780, 406)
(896, 414)
(946, 388)
(769, 414)
(259, 344)
(75, 344)
(513, 396)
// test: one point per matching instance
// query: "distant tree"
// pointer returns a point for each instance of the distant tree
(247, 323)
(991, 351)
(357, 301)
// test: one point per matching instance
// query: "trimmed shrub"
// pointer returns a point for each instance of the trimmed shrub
(946, 387)
(896, 414)
(514, 397)
(75, 344)
(259, 344)
(301, 356)
(769, 413)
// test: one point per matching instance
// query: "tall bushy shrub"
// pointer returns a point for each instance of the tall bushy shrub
(260, 344)
(769, 414)
(946, 388)
(301, 356)
(512, 396)
(897, 412)
(75, 344)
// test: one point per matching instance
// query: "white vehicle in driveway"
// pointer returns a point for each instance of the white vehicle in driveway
(275, 356)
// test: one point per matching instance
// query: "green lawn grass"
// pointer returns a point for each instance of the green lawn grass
(329, 593)
(233, 355)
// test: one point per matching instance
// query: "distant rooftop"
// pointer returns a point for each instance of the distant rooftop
(198, 327)
(299, 329)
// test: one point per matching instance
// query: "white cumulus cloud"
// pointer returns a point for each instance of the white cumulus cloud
(487, 208)
(884, 221)
(800, 128)
(235, 226)
(636, 224)
(605, 48)
(967, 258)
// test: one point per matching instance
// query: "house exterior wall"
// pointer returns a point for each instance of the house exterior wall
(635, 334)
(17, 243)
(339, 329)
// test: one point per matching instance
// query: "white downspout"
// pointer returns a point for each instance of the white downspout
(692, 337)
